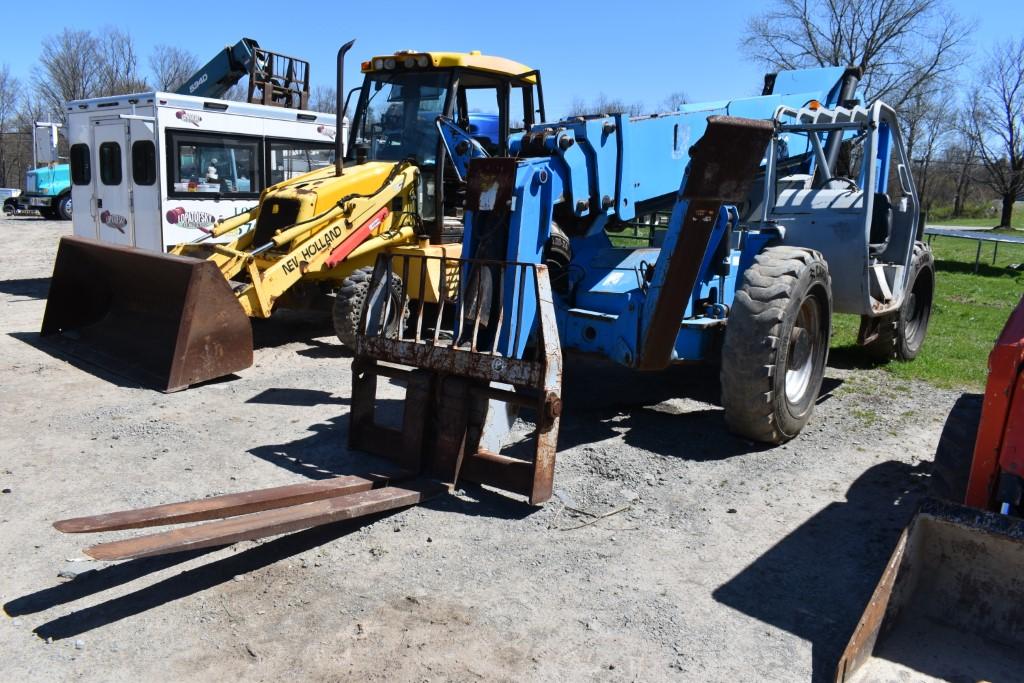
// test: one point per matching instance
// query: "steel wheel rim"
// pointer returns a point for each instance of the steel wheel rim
(804, 341)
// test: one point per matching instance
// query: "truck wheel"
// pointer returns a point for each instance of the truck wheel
(955, 451)
(64, 207)
(348, 306)
(901, 336)
(776, 344)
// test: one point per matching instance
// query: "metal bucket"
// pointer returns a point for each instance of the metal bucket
(165, 321)
(950, 604)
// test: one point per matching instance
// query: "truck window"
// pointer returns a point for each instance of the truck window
(81, 168)
(110, 163)
(144, 162)
(290, 158)
(228, 165)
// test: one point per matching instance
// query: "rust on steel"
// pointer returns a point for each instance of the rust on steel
(446, 407)
(723, 165)
(161, 320)
(217, 507)
(268, 522)
(955, 569)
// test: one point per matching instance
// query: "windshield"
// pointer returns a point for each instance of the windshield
(397, 113)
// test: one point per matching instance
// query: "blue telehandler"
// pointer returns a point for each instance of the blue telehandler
(792, 206)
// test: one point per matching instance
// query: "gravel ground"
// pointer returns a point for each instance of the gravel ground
(723, 561)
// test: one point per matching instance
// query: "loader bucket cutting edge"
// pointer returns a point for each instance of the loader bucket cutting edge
(162, 320)
(949, 605)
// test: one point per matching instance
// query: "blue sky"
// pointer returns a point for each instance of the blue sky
(637, 51)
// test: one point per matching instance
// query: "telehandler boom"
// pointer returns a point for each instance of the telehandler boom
(180, 319)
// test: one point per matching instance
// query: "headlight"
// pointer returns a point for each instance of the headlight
(389, 63)
(378, 63)
(409, 62)
(423, 61)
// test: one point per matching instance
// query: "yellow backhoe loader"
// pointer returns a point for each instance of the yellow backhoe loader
(177, 319)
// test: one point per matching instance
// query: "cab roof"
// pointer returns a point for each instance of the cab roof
(474, 61)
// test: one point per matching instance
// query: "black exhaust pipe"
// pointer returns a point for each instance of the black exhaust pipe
(847, 94)
(339, 104)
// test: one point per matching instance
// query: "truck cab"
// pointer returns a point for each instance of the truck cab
(404, 93)
(48, 191)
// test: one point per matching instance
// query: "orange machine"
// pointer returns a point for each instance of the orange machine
(996, 479)
(950, 603)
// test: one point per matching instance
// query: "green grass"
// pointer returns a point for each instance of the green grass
(968, 314)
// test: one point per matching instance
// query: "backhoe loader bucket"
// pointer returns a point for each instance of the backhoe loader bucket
(162, 320)
(950, 604)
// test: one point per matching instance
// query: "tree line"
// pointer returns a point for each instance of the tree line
(962, 118)
(78, 64)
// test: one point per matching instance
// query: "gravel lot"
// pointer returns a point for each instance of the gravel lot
(724, 561)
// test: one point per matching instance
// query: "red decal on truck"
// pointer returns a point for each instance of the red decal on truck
(355, 238)
(189, 117)
(190, 219)
(114, 220)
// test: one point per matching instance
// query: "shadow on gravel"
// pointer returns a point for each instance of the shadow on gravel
(305, 398)
(96, 363)
(852, 357)
(288, 327)
(173, 588)
(816, 582)
(321, 455)
(673, 412)
(31, 288)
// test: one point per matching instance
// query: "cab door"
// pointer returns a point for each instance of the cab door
(112, 199)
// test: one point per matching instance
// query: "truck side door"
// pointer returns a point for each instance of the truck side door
(112, 200)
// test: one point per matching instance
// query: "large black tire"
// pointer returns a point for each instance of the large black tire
(901, 336)
(348, 305)
(776, 344)
(64, 207)
(955, 451)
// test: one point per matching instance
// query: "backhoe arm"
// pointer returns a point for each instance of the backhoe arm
(321, 245)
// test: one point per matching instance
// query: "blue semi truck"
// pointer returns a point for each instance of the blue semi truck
(48, 191)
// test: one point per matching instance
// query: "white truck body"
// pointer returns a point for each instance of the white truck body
(156, 169)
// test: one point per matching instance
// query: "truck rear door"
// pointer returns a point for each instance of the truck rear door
(112, 201)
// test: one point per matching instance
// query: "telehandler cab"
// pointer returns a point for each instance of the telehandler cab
(179, 319)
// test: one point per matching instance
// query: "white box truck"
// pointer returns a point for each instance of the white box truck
(156, 169)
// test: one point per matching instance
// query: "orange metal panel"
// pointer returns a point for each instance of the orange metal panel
(1003, 405)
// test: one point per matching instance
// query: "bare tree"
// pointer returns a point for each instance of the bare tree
(69, 69)
(237, 92)
(171, 66)
(324, 99)
(903, 47)
(118, 63)
(10, 97)
(927, 130)
(996, 124)
(675, 100)
(602, 104)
